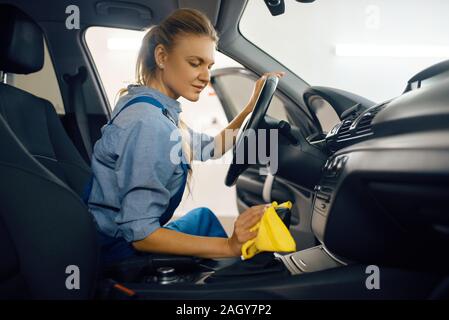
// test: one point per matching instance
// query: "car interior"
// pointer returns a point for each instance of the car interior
(371, 191)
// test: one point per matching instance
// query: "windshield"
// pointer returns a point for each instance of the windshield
(370, 48)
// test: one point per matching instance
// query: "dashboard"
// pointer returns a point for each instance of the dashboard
(382, 196)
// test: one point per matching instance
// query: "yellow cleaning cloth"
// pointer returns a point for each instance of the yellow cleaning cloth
(272, 234)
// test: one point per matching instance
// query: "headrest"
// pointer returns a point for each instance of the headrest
(21, 42)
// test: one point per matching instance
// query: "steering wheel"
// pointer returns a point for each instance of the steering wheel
(256, 119)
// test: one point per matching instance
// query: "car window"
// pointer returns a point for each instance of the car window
(325, 113)
(371, 48)
(43, 83)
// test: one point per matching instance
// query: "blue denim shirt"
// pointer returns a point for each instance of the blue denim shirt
(134, 172)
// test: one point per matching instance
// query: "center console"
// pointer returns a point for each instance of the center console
(325, 193)
(319, 258)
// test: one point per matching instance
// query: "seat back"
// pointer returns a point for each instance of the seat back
(48, 246)
(34, 120)
(47, 236)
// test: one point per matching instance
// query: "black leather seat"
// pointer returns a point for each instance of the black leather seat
(44, 226)
(34, 120)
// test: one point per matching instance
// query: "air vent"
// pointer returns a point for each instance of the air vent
(344, 130)
(331, 170)
(329, 183)
(364, 124)
(354, 128)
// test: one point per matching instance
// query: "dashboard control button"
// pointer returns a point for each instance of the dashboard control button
(321, 206)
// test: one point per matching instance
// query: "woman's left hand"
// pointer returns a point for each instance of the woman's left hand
(242, 226)
(258, 88)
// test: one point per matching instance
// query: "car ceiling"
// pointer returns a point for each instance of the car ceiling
(118, 13)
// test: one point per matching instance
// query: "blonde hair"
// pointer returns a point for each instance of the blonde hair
(180, 23)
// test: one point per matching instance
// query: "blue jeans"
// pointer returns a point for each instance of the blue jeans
(199, 222)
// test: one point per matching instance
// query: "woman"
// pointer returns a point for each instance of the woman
(137, 185)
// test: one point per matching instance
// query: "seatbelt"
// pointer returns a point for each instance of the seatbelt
(77, 104)
(138, 99)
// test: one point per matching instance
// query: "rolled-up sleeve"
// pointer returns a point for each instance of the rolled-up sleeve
(202, 144)
(143, 169)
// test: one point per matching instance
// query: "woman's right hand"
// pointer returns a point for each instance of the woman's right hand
(258, 88)
(242, 226)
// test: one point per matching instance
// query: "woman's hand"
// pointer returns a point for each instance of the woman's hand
(258, 88)
(244, 222)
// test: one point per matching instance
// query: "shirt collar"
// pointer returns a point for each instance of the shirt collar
(173, 106)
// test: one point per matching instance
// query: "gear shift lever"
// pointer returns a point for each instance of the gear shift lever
(285, 214)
